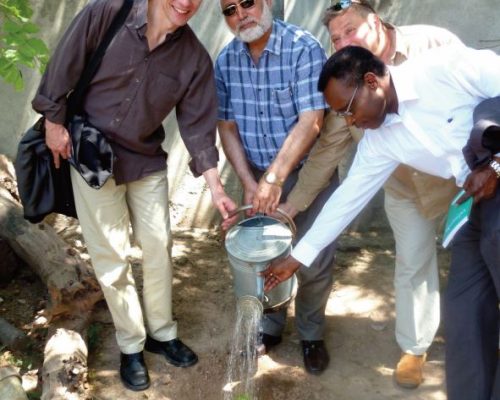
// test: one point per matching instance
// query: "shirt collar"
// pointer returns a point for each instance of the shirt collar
(140, 20)
(402, 49)
(140, 16)
(405, 90)
(403, 82)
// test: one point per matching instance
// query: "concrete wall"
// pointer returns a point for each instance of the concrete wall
(475, 22)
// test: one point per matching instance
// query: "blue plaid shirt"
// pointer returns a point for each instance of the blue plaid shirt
(266, 99)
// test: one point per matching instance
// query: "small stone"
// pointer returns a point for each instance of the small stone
(40, 321)
(30, 380)
(21, 301)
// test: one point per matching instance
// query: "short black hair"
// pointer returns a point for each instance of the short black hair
(350, 65)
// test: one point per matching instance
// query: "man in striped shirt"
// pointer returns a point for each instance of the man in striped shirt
(270, 114)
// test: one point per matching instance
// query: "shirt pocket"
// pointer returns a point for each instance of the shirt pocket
(283, 105)
(163, 92)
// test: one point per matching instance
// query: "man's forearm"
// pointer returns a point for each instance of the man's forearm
(233, 149)
(325, 156)
(297, 144)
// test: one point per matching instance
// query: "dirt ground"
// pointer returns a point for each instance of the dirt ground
(360, 330)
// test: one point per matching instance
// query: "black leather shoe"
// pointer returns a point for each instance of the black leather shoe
(316, 356)
(269, 341)
(176, 352)
(133, 371)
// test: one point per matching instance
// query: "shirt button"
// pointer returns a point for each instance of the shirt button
(117, 119)
(146, 59)
(137, 80)
(127, 99)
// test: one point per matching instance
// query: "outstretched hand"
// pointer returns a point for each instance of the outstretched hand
(278, 271)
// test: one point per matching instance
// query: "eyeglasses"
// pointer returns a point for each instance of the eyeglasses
(344, 4)
(348, 112)
(231, 9)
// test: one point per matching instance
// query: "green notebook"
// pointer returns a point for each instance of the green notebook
(458, 214)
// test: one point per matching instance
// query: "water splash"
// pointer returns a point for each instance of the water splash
(243, 360)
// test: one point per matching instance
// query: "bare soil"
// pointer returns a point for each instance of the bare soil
(360, 330)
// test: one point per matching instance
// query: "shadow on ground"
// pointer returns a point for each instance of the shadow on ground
(360, 332)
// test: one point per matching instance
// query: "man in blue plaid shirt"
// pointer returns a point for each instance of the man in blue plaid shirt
(270, 113)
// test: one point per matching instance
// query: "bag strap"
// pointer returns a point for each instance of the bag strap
(77, 95)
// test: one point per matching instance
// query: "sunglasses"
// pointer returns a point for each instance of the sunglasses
(344, 4)
(348, 112)
(231, 9)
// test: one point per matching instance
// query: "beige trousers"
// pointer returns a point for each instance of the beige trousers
(105, 216)
(416, 280)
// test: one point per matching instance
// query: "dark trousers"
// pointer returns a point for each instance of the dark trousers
(471, 312)
(315, 282)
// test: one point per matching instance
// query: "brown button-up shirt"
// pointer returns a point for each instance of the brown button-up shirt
(134, 89)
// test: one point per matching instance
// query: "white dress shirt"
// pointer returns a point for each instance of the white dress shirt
(437, 93)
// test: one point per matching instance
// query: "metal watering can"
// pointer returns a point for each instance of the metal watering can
(251, 245)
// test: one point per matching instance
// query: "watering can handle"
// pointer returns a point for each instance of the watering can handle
(285, 215)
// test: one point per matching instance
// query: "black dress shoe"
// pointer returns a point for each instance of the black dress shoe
(316, 356)
(133, 371)
(269, 341)
(176, 352)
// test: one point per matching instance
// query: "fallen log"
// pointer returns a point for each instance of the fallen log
(72, 288)
(70, 280)
(65, 372)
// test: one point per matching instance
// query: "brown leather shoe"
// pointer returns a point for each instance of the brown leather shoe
(316, 356)
(409, 370)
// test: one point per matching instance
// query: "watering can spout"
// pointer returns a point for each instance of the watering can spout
(249, 304)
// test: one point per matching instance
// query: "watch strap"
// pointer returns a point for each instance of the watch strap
(495, 166)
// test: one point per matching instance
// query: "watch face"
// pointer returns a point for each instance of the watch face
(271, 177)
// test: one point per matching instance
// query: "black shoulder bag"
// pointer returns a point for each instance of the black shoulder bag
(43, 189)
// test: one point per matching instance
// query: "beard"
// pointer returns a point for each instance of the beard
(263, 25)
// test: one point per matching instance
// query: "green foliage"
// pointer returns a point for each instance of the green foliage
(19, 45)
(93, 335)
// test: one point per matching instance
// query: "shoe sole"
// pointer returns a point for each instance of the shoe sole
(408, 385)
(171, 361)
(135, 388)
(314, 372)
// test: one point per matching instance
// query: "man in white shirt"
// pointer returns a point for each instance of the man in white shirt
(414, 201)
(418, 114)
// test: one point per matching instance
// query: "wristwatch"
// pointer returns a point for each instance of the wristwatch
(495, 166)
(272, 179)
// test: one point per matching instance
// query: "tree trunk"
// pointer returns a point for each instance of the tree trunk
(70, 281)
(71, 284)
(65, 371)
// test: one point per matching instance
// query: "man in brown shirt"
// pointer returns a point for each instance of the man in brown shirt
(154, 63)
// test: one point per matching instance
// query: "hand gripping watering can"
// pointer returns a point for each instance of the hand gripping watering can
(251, 245)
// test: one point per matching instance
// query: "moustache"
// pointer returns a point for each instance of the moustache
(246, 21)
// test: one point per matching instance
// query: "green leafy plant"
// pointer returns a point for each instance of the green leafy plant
(19, 44)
